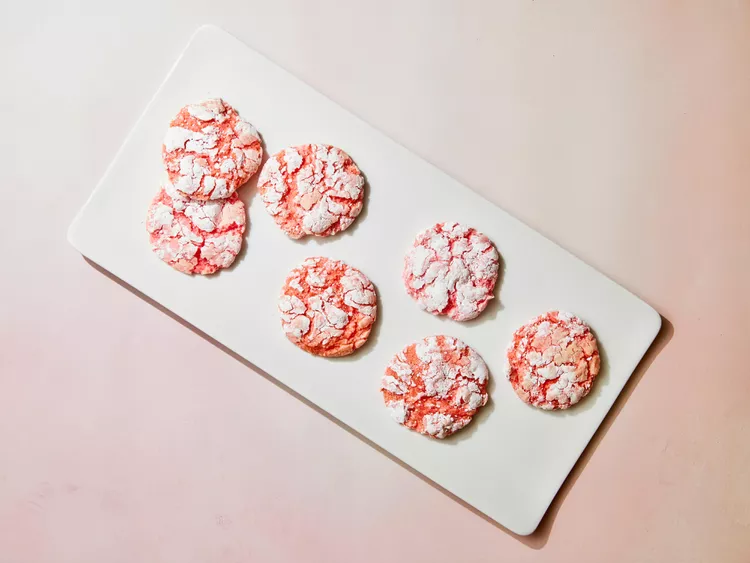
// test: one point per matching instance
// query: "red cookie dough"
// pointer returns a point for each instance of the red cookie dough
(452, 270)
(210, 151)
(553, 360)
(312, 190)
(435, 386)
(327, 307)
(195, 237)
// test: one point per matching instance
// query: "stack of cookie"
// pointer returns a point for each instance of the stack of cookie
(196, 221)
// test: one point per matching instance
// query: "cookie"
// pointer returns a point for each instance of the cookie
(451, 270)
(312, 190)
(209, 150)
(327, 307)
(195, 237)
(435, 386)
(553, 361)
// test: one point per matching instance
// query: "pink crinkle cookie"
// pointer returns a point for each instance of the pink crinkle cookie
(210, 151)
(452, 270)
(553, 360)
(312, 190)
(327, 307)
(435, 386)
(192, 236)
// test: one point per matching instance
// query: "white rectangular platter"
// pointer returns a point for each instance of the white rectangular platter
(490, 463)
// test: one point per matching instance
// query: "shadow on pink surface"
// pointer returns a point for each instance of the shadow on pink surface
(536, 540)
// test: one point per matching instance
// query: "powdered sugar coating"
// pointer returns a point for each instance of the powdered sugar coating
(327, 307)
(452, 270)
(209, 150)
(435, 386)
(553, 360)
(312, 190)
(195, 237)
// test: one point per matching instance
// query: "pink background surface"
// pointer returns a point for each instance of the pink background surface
(619, 129)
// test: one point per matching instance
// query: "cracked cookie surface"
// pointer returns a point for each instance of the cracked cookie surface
(327, 307)
(312, 190)
(435, 386)
(192, 236)
(553, 361)
(452, 270)
(210, 150)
